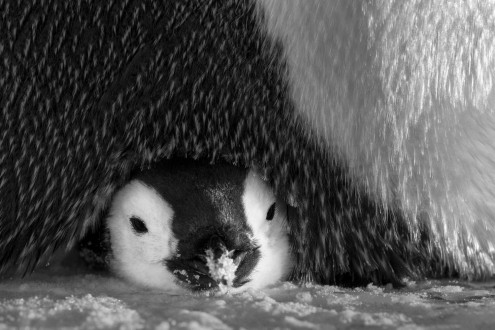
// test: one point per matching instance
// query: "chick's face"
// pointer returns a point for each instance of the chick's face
(199, 227)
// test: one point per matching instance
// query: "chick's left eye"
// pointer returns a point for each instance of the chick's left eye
(138, 225)
(271, 212)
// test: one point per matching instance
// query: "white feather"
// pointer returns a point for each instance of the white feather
(276, 261)
(139, 258)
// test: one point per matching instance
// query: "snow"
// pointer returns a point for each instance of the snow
(99, 301)
(88, 311)
(221, 269)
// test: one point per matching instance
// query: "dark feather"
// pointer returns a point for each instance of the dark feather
(93, 90)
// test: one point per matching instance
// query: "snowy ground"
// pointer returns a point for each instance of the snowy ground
(98, 302)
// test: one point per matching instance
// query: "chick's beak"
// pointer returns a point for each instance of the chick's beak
(215, 266)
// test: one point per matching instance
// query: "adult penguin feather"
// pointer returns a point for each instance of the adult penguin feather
(90, 91)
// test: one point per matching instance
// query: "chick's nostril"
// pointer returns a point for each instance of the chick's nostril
(199, 264)
(217, 246)
(238, 256)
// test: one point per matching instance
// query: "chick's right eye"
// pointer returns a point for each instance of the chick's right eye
(271, 212)
(138, 225)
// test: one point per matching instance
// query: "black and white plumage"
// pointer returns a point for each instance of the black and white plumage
(375, 117)
(164, 223)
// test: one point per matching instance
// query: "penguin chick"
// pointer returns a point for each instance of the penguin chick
(185, 224)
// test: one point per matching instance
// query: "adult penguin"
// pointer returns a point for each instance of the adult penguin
(374, 118)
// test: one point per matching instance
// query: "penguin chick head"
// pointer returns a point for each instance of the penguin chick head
(185, 224)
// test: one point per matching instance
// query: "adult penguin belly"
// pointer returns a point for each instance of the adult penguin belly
(401, 92)
(368, 117)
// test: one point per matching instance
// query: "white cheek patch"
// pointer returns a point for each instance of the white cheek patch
(139, 258)
(275, 261)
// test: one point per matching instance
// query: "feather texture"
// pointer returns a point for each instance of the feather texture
(92, 90)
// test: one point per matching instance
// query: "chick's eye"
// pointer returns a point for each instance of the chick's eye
(271, 212)
(138, 225)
